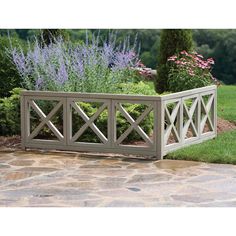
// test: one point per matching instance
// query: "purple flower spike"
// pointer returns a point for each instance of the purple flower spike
(93, 66)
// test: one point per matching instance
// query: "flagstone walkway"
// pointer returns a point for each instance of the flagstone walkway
(41, 179)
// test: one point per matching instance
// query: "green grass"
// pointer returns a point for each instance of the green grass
(227, 102)
(223, 148)
(219, 150)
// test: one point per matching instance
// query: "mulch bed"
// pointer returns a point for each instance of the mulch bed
(15, 141)
(224, 125)
(10, 142)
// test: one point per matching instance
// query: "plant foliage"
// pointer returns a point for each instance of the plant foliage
(172, 41)
(86, 67)
(10, 113)
(9, 77)
(189, 71)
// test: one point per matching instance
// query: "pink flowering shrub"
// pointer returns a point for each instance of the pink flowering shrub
(189, 71)
(143, 71)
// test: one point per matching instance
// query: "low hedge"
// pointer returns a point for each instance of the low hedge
(10, 113)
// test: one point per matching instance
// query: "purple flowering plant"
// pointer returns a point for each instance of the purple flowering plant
(90, 66)
(189, 70)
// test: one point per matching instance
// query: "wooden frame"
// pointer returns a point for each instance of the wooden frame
(167, 122)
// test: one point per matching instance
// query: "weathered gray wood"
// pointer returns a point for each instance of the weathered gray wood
(199, 116)
(215, 112)
(134, 124)
(112, 102)
(45, 120)
(68, 111)
(207, 108)
(171, 118)
(122, 97)
(117, 96)
(65, 121)
(188, 93)
(189, 123)
(198, 105)
(133, 150)
(112, 126)
(159, 124)
(23, 121)
(89, 122)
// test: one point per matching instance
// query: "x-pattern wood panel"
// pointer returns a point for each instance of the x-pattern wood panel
(190, 113)
(175, 122)
(134, 124)
(89, 122)
(45, 120)
(206, 109)
(171, 122)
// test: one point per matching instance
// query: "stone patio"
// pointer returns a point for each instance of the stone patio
(43, 179)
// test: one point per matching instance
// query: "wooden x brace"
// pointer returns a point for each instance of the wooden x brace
(134, 124)
(46, 120)
(89, 122)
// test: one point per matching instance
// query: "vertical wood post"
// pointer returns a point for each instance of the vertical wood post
(199, 104)
(68, 121)
(22, 108)
(65, 120)
(159, 123)
(214, 112)
(180, 120)
(26, 111)
(111, 123)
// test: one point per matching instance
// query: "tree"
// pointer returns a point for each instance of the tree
(209, 37)
(50, 35)
(172, 41)
(225, 58)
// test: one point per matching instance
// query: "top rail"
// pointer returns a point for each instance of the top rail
(117, 96)
(188, 92)
(89, 95)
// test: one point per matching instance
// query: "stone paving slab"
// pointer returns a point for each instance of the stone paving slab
(59, 179)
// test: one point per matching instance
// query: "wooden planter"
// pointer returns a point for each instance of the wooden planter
(179, 119)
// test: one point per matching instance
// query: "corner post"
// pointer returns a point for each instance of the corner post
(159, 123)
(215, 110)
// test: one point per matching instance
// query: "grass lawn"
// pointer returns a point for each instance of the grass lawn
(219, 150)
(223, 148)
(227, 102)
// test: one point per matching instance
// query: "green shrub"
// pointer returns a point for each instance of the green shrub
(181, 81)
(139, 88)
(9, 77)
(10, 113)
(172, 41)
